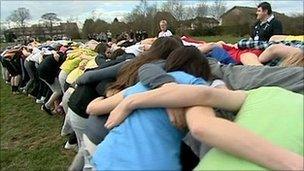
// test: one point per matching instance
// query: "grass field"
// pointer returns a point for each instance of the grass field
(30, 139)
(225, 38)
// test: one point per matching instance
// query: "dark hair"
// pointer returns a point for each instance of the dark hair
(116, 53)
(121, 37)
(190, 60)
(101, 48)
(265, 6)
(160, 49)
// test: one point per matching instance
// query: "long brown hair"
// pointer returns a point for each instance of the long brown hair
(190, 60)
(160, 49)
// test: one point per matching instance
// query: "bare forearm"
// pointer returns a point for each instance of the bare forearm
(174, 96)
(238, 141)
(169, 96)
(104, 106)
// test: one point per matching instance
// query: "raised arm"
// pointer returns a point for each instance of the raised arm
(100, 106)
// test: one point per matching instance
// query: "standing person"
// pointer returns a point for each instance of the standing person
(267, 25)
(109, 36)
(48, 71)
(164, 29)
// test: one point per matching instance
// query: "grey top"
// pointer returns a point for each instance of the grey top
(236, 77)
(96, 76)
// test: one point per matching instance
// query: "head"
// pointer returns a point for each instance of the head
(163, 25)
(116, 53)
(160, 49)
(263, 11)
(190, 60)
(121, 37)
(101, 48)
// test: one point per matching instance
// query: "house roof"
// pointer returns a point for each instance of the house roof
(247, 10)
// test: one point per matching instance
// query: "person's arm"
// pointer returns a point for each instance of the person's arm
(100, 106)
(169, 96)
(230, 137)
(193, 95)
(271, 52)
(98, 75)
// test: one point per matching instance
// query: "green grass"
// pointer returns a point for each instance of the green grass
(30, 139)
(225, 38)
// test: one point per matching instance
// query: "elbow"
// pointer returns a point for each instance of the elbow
(197, 130)
(90, 109)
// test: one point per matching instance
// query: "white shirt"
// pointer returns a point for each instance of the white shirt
(166, 33)
(135, 49)
(36, 54)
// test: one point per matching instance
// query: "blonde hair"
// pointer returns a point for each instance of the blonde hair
(295, 59)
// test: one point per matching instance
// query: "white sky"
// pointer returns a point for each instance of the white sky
(108, 10)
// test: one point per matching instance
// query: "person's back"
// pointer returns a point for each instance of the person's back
(145, 140)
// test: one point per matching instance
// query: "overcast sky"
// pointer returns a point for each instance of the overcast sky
(108, 10)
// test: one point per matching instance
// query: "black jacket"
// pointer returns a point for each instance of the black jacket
(266, 30)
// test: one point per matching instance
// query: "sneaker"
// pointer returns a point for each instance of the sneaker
(39, 101)
(47, 110)
(69, 146)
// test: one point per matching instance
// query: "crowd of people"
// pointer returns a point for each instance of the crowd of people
(107, 37)
(171, 103)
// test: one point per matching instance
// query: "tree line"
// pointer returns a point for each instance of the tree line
(146, 17)
(140, 18)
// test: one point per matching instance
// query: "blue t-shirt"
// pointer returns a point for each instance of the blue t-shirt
(146, 140)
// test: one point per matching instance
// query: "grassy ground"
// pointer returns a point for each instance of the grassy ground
(30, 139)
(225, 38)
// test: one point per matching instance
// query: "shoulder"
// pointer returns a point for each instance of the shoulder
(184, 78)
(137, 88)
(275, 21)
(255, 23)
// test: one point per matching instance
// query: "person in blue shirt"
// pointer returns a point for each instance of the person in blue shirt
(146, 139)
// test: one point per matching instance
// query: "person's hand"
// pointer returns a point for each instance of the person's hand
(56, 56)
(177, 117)
(118, 114)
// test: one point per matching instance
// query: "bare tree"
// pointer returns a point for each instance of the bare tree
(50, 18)
(202, 9)
(176, 8)
(141, 16)
(218, 8)
(20, 16)
(190, 12)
